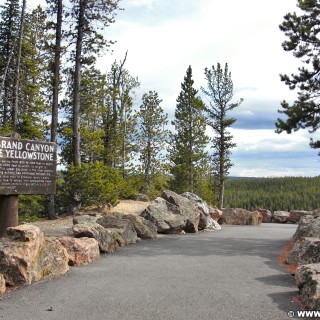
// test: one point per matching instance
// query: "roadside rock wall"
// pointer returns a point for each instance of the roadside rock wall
(305, 253)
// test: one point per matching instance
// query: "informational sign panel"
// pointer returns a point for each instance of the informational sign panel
(27, 167)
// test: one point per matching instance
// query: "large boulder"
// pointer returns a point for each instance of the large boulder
(27, 256)
(205, 219)
(200, 204)
(266, 215)
(145, 229)
(304, 251)
(309, 226)
(186, 208)
(236, 216)
(307, 279)
(172, 213)
(122, 229)
(165, 216)
(280, 216)
(106, 239)
(81, 251)
(295, 215)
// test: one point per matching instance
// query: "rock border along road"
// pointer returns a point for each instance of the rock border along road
(228, 274)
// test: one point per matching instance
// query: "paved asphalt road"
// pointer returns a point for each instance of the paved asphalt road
(230, 274)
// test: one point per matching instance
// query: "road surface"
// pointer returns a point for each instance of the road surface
(229, 274)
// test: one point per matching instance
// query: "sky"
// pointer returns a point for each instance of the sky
(164, 37)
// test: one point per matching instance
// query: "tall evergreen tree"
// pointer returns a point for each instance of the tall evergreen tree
(189, 142)
(55, 9)
(119, 120)
(151, 138)
(90, 16)
(303, 41)
(33, 76)
(9, 26)
(220, 93)
(15, 107)
(91, 114)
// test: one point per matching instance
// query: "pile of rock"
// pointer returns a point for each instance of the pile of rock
(173, 213)
(26, 255)
(113, 230)
(293, 216)
(305, 253)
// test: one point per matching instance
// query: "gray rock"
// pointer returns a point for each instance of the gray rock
(165, 216)
(205, 218)
(186, 208)
(106, 239)
(235, 216)
(295, 215)
(266, 215)
(83, 219)
(145, 229)
(212, 224)
(307, 279)
(304, 251)
(122, 228)
(280, 216)
(309, 226)
(201, 204)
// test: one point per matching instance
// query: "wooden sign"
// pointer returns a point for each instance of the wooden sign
(27, 167)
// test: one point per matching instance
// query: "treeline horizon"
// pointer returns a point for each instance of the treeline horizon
(274, 193)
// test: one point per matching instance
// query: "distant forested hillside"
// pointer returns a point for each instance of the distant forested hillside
(289, 193)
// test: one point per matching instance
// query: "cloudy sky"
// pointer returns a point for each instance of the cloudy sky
(164, 37)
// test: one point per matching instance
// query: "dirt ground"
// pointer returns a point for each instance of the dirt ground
(63, 225)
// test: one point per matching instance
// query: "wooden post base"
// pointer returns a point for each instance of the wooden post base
(8, 212)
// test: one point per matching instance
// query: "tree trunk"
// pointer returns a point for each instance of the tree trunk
(55, 99)
(17, 71)
(221, 194)
(77, 83)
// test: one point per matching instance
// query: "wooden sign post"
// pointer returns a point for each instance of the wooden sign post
(26, 167)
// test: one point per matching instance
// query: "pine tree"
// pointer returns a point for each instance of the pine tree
(9, 26)
(91, 114)
(119, 120)
(34, 76)
(189, 142)
(16, 85)
(90, 15)
(220, 93)
(151, 138)
(303, 41)
(55, 9)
